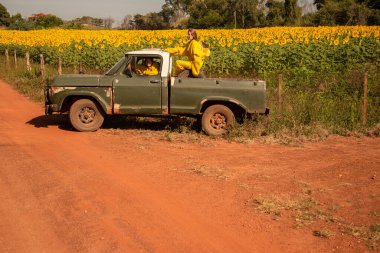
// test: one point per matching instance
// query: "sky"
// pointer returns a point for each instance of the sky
(70, 9)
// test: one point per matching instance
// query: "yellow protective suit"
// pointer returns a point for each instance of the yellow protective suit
(196, 53)
(148, 71)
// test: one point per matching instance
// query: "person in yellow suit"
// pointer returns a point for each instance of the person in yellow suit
(194, 50)
(150, 68)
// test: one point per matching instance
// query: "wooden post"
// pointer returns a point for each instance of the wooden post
(280, 93)
(42, 66)
(365, 99)
(28, 67)
(235, 18)
(6, 58)
(15, 58)
(59, 66)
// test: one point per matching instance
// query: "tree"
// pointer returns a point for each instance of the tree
(89, 21)
(346, 12)
(292, 13)
(139, 21)
(208, 14)
(17, 22)
(275, 13)
(108, 22)
(72, 25)
(47, 21)
(127, 23)
(319, 4)
(154, 21)
(175, 13)
(249, 13)
(4, 16)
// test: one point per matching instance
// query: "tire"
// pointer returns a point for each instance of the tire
(85, 116)
(216, 120)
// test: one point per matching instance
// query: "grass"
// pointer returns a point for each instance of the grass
(305, 210)
(275, 205)
(324, 233)
(370, 234)
(30, 83)
(314, 107)
(209, 171)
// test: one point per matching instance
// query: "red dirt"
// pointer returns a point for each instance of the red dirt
(133, 190)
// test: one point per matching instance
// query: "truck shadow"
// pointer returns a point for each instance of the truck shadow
(44, 121)
(178, 124)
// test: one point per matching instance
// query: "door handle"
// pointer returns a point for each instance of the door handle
(154, 81)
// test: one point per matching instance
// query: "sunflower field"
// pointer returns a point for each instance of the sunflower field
(238, 52)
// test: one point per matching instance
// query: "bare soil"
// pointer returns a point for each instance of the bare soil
(124, 189)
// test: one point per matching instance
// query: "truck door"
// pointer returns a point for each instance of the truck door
(137, 91)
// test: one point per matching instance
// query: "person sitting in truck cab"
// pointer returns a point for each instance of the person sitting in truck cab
(194, 50)
(149, 68)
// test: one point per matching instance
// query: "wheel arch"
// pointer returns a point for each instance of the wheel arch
(70, 99)
(235, 106)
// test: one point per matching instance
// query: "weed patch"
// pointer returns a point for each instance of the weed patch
(370, 234)
(209, 171)
(324, 233)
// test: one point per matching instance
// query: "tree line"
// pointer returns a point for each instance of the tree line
(257, 13)
(43, 21)
(219, 14)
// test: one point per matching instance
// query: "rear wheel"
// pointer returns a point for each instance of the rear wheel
(216, 120)
(85, 116)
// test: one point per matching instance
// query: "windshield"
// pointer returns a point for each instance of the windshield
(115, 67)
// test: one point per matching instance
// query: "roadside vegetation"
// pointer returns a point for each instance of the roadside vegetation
(314, 105)
(322, 220)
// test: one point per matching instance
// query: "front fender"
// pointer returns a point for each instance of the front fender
(103, 95)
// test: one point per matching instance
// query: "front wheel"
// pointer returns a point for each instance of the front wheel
(85, 116)
(216, 119)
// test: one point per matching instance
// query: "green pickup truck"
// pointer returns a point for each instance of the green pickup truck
(123, 90)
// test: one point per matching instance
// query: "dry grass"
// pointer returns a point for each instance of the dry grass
(307, 210)
(324, 233)
(209, 171)
(370, 234)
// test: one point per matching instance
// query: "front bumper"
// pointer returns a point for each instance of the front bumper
(48, 110)
(49, 107)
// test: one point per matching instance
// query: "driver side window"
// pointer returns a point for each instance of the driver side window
(143, 66)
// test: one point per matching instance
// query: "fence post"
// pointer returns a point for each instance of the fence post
(365, 98)
(59, 66)
(28, 67)
(280, 93)
(15, 58)
(6, 58)
(42, 66)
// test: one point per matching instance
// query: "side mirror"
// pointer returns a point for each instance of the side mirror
(128, 72)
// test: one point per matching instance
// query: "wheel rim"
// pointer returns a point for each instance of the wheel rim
(87, 115)
(218, 121)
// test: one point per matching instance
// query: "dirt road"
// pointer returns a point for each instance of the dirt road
(131, 190)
